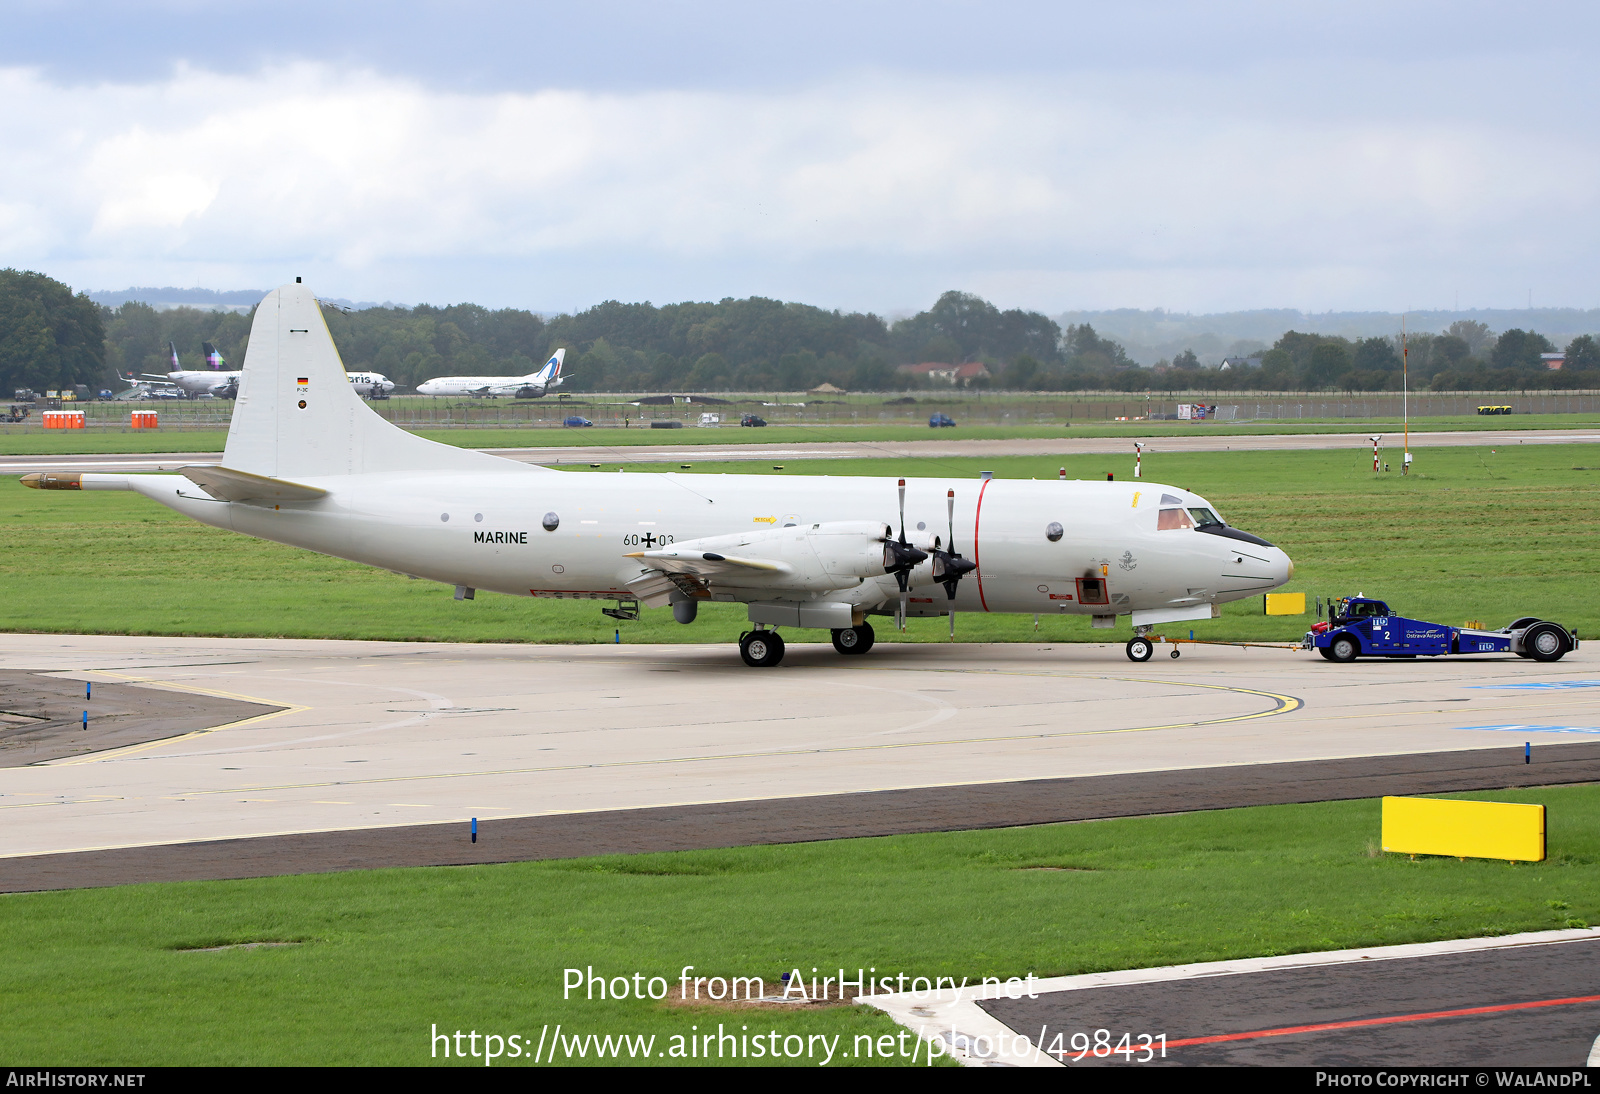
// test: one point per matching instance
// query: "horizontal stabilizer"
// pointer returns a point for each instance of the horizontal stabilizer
(226, 485)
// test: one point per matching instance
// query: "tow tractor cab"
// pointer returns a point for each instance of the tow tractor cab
(1359, 626)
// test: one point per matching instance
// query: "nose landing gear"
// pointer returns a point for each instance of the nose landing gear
(1140, 648)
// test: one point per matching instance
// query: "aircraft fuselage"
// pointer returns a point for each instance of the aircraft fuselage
(488, 532)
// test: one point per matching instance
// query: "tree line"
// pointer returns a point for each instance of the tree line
(51, 337)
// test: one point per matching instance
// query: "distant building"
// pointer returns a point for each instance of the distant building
(950, 374)
(1553, 361)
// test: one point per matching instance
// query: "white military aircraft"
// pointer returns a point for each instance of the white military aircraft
(308, 464)
(531, 386)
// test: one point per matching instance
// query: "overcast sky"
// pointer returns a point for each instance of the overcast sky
(1198, 157)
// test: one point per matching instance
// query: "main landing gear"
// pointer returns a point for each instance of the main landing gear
(1140, 648)
(853, 639)
(761, 649)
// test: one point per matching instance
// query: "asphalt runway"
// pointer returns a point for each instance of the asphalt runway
(823, 450)
(416, 739)
(1528, 1005)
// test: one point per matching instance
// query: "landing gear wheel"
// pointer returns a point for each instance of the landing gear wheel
(761, 649)
(853, 639)
(1344, 650)
(1140, 649)
(1546, 642)
(1174, 655)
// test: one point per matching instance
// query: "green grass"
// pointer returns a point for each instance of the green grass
(1474, 534)
(99, 976)
(30, 439)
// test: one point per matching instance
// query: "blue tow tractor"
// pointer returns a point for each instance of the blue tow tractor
(1361, 627)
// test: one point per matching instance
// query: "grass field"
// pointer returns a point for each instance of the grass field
(28, 440)
(1474, 534)
(101, 976)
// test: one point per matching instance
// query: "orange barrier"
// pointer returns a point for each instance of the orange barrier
(62, 419)
(143, 419)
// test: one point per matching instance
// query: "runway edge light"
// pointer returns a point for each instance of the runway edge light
(1465, 829)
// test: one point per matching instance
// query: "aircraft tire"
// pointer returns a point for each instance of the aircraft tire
(853, 640)
(1344, 649)
(1140, 649)
(1546, 642)
(761, 649)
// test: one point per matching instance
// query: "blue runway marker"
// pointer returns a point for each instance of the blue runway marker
(1527, 752)
(88, 689)
(1591, 730)
(474, 829)
(1538, 685)
(86, 719)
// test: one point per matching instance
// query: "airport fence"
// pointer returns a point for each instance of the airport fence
(967, 407)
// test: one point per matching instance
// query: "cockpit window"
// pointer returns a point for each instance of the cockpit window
(1173, 518)
(1204, 516)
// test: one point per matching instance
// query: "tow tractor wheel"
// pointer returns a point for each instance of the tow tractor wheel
(1327, 654)
(761, 649)
(1140, 649)
(1344, 649)
(853, 639)
(1546, 642)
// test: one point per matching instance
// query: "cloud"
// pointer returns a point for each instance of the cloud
(863, 190)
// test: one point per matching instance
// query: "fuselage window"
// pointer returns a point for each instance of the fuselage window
(1173, 518)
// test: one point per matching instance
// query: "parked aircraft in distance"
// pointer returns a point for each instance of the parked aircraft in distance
(372, 385)
(218, 381)
(215, 380)
(531, 386)
(308, 465)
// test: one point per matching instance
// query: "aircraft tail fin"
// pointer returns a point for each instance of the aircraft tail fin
(298, 417)
(173, 350)
(214, 360)
(552, 367)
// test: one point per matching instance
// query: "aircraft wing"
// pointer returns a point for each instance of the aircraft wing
(228, 485)
(706, 563)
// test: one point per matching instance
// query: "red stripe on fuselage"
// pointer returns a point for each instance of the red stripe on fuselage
(976, 515)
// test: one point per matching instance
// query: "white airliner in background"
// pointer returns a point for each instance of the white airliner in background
(218, 381)
(309, 465)
(531, 386)
(215, 380)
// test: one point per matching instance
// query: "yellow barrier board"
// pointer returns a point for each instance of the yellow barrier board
(1286, 603)
(1466, 829)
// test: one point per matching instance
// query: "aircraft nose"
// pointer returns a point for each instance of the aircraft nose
(1283, 567)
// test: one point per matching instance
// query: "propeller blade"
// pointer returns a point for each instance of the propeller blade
(948, 565)
(902, 511)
